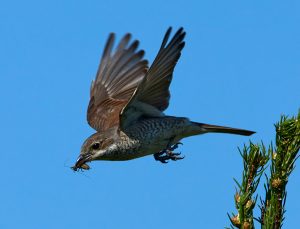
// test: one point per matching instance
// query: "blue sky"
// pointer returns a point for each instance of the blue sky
(240, 67)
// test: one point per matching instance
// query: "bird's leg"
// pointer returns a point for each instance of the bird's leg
(175, 146)
(168, 154)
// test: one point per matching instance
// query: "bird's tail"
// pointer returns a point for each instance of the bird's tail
(201, 128)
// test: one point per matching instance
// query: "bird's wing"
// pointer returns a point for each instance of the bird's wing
(118, 75)
(152, 96)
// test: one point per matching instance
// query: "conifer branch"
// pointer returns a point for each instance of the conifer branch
(282, 158)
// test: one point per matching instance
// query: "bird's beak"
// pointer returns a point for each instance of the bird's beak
(81, 162)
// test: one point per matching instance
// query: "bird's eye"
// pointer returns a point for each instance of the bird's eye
(96, 145)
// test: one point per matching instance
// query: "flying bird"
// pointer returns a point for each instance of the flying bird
(127, 104)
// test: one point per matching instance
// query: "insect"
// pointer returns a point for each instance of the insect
(82, 167)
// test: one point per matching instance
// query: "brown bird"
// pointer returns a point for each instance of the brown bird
(127, 100)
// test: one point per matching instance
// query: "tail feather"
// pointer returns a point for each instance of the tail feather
(207, 128)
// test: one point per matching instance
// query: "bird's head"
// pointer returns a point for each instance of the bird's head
(93, 148)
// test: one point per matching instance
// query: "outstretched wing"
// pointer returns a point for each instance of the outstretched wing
(117, 78)
(152, 96)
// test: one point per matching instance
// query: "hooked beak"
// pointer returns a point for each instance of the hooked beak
(81, 162)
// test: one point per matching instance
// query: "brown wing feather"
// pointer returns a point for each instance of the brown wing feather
(117, 78)
(152, 96)
(155, 89)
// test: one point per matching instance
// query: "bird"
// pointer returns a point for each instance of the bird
(127, 104)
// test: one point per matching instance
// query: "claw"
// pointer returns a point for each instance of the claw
(176, 158)
(167, 154)
(175, 154)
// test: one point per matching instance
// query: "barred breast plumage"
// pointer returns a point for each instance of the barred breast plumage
(148, 136)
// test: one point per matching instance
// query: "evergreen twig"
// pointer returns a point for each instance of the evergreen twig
(255, 158)
(283, 162)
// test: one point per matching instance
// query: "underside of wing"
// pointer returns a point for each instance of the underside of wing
(118, 76)
(152, 96)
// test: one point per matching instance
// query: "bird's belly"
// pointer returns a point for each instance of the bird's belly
(154, 145)
(156, 134)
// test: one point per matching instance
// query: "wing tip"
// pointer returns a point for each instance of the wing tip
(127, 36)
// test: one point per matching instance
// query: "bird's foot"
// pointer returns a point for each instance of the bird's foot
(168, 154)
